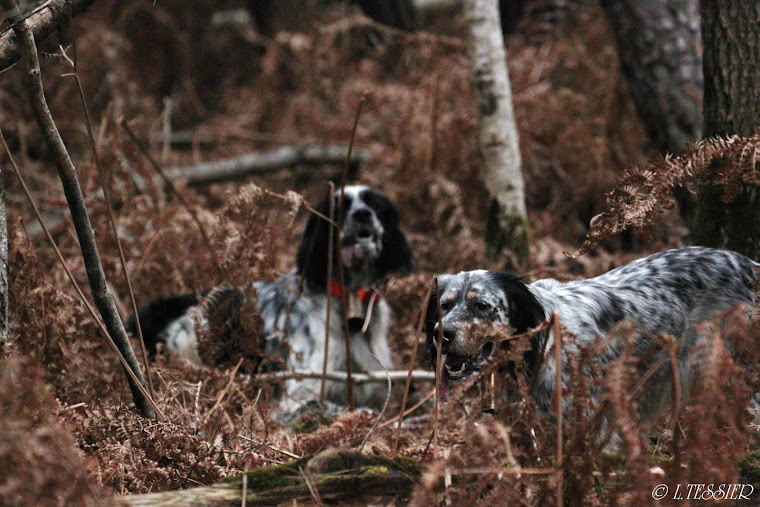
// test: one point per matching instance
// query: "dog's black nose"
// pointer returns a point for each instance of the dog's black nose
(362, 215)
(449, 335)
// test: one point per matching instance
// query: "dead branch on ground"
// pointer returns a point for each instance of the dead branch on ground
(337, 474)
(357, 378)
(262, 163)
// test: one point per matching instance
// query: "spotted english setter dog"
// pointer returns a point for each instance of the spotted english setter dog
(293, 307)
(667, 293)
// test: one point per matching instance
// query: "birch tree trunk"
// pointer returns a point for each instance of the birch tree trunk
(501, 165)
(731, 38)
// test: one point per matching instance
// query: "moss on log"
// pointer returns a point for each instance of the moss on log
(335, 475)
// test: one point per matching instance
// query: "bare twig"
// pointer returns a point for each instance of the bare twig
(370, 308)
(67, 173)
(504, 434)
(282, 451)
(420, 324)
(409, 410)
(42, 22)
(74, 407)
(330, 238)
(341, 376)
(219, 401)
(107, 194)
(312, 487)
(670, 346)
(344, 178)
(558, 368)
(505, 470)
(226, 389)
(438, 368)
(385, 405)
(306, 205)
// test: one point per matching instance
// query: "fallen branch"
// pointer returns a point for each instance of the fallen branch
(337, 474)
(341, 376)
(43, 21)
(341, 271)
(187, 138)
(261, 163)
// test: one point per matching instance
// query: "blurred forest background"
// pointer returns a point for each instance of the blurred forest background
(184, 84)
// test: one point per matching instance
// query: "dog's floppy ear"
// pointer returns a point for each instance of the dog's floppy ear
(396, 256)
(525, 312)
(311, 258)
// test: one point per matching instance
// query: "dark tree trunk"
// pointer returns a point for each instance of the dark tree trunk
(731, 35)
(510, 13)
(546, 14)
(273, 15)
(658, 44)
(396, 13)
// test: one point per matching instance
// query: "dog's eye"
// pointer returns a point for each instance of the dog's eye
(482, 307)
(445, 306)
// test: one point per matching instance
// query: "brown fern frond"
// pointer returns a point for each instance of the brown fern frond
(644, 193)
(348, 430)
(40, 462)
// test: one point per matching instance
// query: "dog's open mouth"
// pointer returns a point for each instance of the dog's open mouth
(358, 247)
(455, 368)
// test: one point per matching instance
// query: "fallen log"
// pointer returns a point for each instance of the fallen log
(187, 138)
(332, 476)
(261, 163)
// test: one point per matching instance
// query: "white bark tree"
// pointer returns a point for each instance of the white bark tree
(501, 167)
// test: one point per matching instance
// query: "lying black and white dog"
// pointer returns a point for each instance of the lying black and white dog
(666, 293)
(293, 307)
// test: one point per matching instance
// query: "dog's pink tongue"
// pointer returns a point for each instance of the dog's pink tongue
(443, 382)
(347, 255)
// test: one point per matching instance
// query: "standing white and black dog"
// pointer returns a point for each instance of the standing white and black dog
(666, 293)
(293, 307)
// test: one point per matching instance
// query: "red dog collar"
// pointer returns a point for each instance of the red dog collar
(340, 292)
